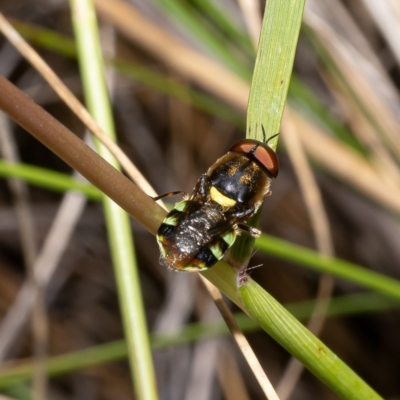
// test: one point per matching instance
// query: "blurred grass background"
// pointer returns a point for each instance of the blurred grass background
(174, 123)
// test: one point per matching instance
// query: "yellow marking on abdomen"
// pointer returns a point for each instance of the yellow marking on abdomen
(220, 198)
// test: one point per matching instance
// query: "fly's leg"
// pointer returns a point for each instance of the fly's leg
(241, 215)
(169, 194)
(254, 232)
(202, 188)
(244, 215)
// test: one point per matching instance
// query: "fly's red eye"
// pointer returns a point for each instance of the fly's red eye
(244, 146)
(261, 152)
(268, 158)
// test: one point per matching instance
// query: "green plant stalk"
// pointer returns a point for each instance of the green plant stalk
(48, 179)
(301, 343)
(241, 252)
(274, 63)
(20, 392)
(46, 38)
(269, 87)
(339, 268)
(118, 226)
(273, 68)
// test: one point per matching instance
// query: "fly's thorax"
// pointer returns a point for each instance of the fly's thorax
(239, 178)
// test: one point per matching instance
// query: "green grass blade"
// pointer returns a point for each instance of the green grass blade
(118, 226)
(353, 304)
(273, 68)
(269, 87)
(46, 38)
(48, 179)
(340, 268)
(20, 392)
(274, 63)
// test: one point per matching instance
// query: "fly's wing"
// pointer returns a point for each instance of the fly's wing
(194, 236)
(222, 237)
(209, 247)
(175, 236)
(201, 189)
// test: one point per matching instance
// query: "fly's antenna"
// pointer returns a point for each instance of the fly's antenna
(265, 136)
(270, 138)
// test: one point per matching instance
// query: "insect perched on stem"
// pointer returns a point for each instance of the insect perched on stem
(199, 230)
